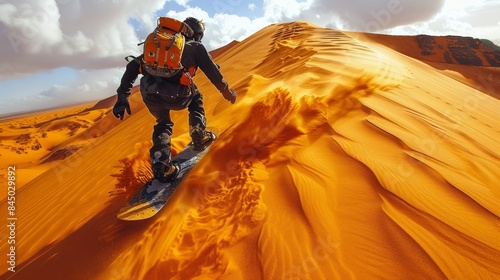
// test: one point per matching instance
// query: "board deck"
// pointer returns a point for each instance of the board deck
(151, 198)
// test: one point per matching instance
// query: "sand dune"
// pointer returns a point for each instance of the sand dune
(454, 54)
(342, 159)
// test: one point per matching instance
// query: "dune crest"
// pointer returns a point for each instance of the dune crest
(341, 159)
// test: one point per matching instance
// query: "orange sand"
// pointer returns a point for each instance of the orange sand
(341, 159)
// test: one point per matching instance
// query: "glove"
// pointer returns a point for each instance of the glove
(120, 106)
(229, 95)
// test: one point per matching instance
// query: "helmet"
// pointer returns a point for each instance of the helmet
(198, 27)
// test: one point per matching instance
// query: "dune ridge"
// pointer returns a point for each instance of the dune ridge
(341, 159)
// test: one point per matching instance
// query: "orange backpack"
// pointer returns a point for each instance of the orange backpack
(163, 49)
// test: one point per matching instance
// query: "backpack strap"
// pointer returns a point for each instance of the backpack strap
(192, 86)
(173, 41)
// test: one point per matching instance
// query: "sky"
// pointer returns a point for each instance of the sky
(60, 52)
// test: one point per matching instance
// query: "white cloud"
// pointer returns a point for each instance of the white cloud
(459, 17)
(31, 21)
(45, 34)
(276, 11)
(369, 16)
(252, 6)
(78, 87)
(221, 28)
(183, 3)
(89, 86)
(225, 28)
(189, 12)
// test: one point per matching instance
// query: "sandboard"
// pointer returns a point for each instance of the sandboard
(151, 198)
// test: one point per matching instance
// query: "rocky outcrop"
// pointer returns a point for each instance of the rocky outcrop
(62, 153)
(459, 50)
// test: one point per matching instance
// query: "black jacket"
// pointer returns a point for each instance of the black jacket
(194, 55)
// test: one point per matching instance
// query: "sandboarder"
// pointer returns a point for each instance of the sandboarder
(162, 94)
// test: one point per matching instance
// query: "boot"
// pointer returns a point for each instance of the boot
(164, 170)
(201, 138)
(165, 173)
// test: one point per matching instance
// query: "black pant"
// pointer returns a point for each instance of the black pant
(163, 129)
